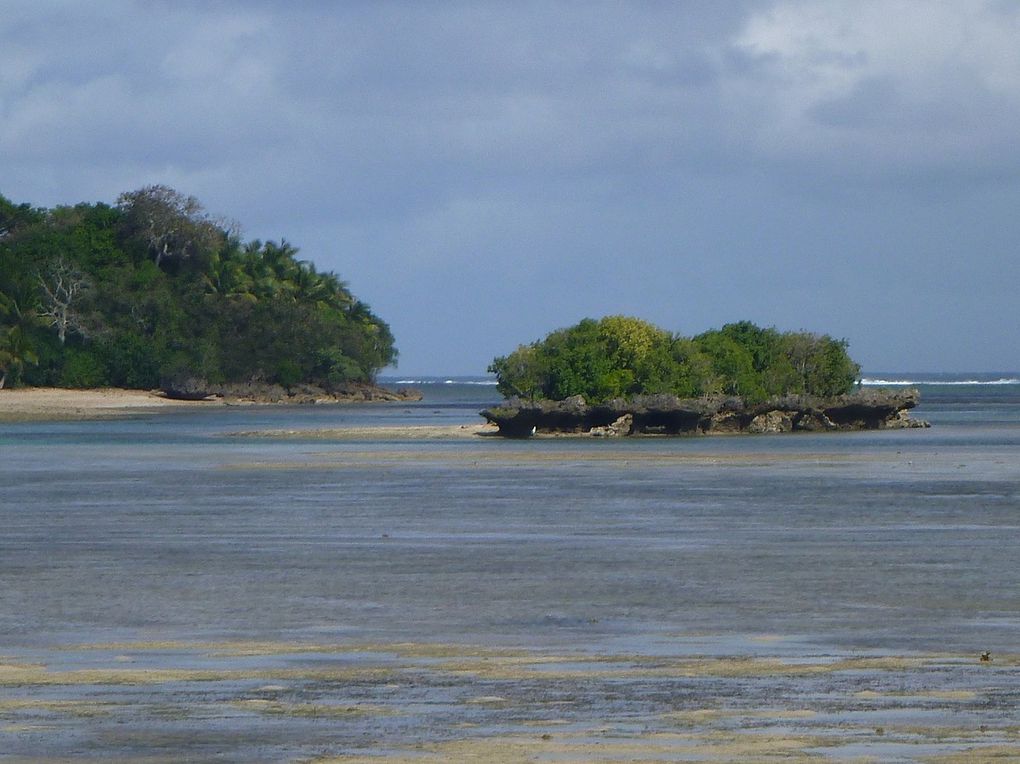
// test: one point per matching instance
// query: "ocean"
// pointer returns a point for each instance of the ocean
(171, 588)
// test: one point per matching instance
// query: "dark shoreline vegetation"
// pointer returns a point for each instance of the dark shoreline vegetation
(153, 292)
(623, 376)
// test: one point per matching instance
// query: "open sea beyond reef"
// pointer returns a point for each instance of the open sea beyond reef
(171, 590)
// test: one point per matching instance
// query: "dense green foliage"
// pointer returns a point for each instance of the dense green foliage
(620, 357)
(153, 289)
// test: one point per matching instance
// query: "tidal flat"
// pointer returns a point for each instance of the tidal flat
(174, 592)
(243, 701)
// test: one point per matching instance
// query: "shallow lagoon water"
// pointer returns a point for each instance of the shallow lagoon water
(162, 572)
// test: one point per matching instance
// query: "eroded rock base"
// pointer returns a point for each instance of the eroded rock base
(669, 415)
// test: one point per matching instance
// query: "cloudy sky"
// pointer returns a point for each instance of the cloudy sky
(481, 173)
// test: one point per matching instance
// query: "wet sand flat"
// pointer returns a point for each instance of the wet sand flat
(413, 702)
(384, 433)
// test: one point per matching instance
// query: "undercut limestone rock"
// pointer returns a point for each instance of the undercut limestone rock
(867, 409)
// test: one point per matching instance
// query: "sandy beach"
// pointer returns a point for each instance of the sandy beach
(40, 404)
(47, 403)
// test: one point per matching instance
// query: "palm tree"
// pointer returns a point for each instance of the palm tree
(309, 284)
(16, 347)
(228, 272)
(280, 267)
(15, 351)
(338, 296)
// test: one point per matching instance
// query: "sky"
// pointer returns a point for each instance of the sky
(483, 173)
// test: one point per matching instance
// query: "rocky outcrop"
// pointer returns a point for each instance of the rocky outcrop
(194, 389)
(622, 426)
(866, 409)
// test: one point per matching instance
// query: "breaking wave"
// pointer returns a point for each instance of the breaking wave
(443, 381)
(945, 382)
(881, 380)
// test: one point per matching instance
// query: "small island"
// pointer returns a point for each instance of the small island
(153, 293)
(623, 376)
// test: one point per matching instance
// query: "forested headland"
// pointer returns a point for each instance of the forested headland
(152, 290)
(619, 357)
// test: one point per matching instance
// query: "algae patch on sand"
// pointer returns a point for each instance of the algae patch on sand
(421, 701)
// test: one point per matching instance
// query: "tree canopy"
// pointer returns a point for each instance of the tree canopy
(620, 357)
(153, 288)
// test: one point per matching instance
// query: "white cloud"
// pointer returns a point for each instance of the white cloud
(884, 85)
(693, 159)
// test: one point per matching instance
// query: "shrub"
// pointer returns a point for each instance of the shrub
(620, 357)
(83, 368)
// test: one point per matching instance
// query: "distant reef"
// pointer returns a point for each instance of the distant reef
(864, 409)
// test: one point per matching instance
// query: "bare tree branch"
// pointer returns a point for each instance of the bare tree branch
(171, 224)
(63, 288)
